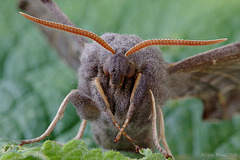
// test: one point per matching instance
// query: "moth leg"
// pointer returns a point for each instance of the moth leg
(50, 128)
(154, 129)
(81, 129)
(130, 110)
(108, 111)
(162, 137)
(86, 107)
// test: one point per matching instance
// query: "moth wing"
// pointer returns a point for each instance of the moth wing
(212, 76)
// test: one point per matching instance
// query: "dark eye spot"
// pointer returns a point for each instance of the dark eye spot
(131, 71)
(105, 70)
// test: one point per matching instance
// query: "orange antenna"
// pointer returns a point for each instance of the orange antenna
(178, 42)
(70, 29)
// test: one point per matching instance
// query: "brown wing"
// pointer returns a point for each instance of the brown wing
(212, 76)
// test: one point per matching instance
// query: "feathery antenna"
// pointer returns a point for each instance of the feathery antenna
(70, 29)
(178, 42)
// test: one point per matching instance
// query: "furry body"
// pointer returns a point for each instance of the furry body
(89, 104)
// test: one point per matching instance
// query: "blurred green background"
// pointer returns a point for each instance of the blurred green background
(34, 81)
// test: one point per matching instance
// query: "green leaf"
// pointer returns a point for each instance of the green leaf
(52, 150)
(150, 156)
(156, 156)
(114, 155)
(146, 152)
(75, 149)
(94, 154)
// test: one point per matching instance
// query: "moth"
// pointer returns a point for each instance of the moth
(124, 82)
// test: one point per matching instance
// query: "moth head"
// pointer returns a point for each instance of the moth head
(118, 67)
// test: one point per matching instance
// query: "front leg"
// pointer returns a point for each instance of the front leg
(86, 107)
(131, 108)
(106, 108)
(139, 98)
(58, 116)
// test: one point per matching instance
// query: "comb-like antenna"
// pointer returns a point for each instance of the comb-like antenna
(70, 29)
(178, 42)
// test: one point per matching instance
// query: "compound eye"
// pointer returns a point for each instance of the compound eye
(131, 71)
(105, 70)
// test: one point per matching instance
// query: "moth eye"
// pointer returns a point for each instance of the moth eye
(105, 70)
(130, 71)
